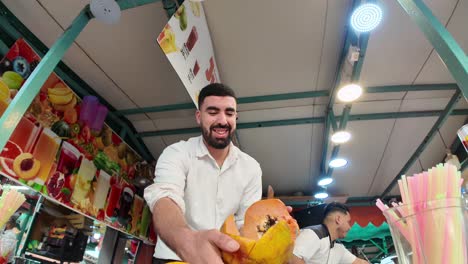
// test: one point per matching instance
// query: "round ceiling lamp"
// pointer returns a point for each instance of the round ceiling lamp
(366, 17)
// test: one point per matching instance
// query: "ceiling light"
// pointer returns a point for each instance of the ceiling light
(337, 163)
(366, 17)
(341, 137)
(325, 181)
(321, 195)
(349, 92)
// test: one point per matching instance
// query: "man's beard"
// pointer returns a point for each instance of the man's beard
(217, 143)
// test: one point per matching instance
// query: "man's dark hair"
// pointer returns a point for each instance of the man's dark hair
(215, 89)
(334, 207)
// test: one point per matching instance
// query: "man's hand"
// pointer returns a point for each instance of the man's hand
(201, 247)
(195, 247)
(360, 261)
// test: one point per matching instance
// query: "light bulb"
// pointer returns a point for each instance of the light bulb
(325, 181)
(341, 137)
(366, 17)
(349, 92)
(338, 162)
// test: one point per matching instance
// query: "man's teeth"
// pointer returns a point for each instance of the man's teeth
(220, 130)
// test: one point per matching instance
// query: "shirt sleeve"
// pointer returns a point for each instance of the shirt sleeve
(252, 193)
(346, 256)
(170, 176)
(307, 244)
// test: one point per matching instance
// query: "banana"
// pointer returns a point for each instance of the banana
(61, 99)
(59, 91)
(65, 107)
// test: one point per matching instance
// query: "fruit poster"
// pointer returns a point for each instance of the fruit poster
(186, 41)
(63, 149)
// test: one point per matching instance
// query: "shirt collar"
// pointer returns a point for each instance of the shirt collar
(202, 150)
(332, 243)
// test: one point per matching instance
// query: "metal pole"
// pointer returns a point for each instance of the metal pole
(448, 49)
(427, 139)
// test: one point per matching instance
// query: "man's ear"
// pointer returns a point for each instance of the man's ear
(338, 219)
(198, 116)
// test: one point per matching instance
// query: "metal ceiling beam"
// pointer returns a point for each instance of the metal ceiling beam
(448, 49)
(15, 29)
(411, 88)
(241, 100)
(350, 38)
(293, 96)
(363, 41)
(309, 120)
(427, 139)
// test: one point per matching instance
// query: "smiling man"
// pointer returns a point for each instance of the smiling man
(200, 182)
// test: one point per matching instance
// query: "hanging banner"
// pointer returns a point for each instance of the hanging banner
(186, 41)
(63, 149)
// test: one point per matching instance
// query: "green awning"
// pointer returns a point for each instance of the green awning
(367, 233)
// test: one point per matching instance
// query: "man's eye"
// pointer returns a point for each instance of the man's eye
(212, 112)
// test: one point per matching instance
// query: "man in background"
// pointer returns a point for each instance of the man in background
(316, 244)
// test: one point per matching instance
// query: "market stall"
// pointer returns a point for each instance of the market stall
(334, 106)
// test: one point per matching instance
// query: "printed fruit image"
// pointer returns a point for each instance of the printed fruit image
(70, 116)
(195, 6)
(6, 165)
(11, 150)
(65, 107)
(61, 128)
(4, 91)
(12, 79)
(26, 166)
(55, 185)
(167, 40)
(9, 153)
(62, 97)
(5, 65)
(33, 65)
(267, 237)
(21, 66)
(75, 129)
(182, 16)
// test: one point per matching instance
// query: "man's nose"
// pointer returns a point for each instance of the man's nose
(222, 119)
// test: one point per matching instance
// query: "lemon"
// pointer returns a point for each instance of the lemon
(4, 91)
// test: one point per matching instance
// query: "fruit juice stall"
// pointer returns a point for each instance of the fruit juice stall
(62, 149)
(61, 146)
(88, 164)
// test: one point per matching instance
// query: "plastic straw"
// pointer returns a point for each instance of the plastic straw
(10, 201)
(435, 233)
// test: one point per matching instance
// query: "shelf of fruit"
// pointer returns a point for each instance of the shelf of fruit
(144, 240)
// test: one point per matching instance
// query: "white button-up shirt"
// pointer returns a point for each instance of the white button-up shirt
(206, 193)
(314, 250)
